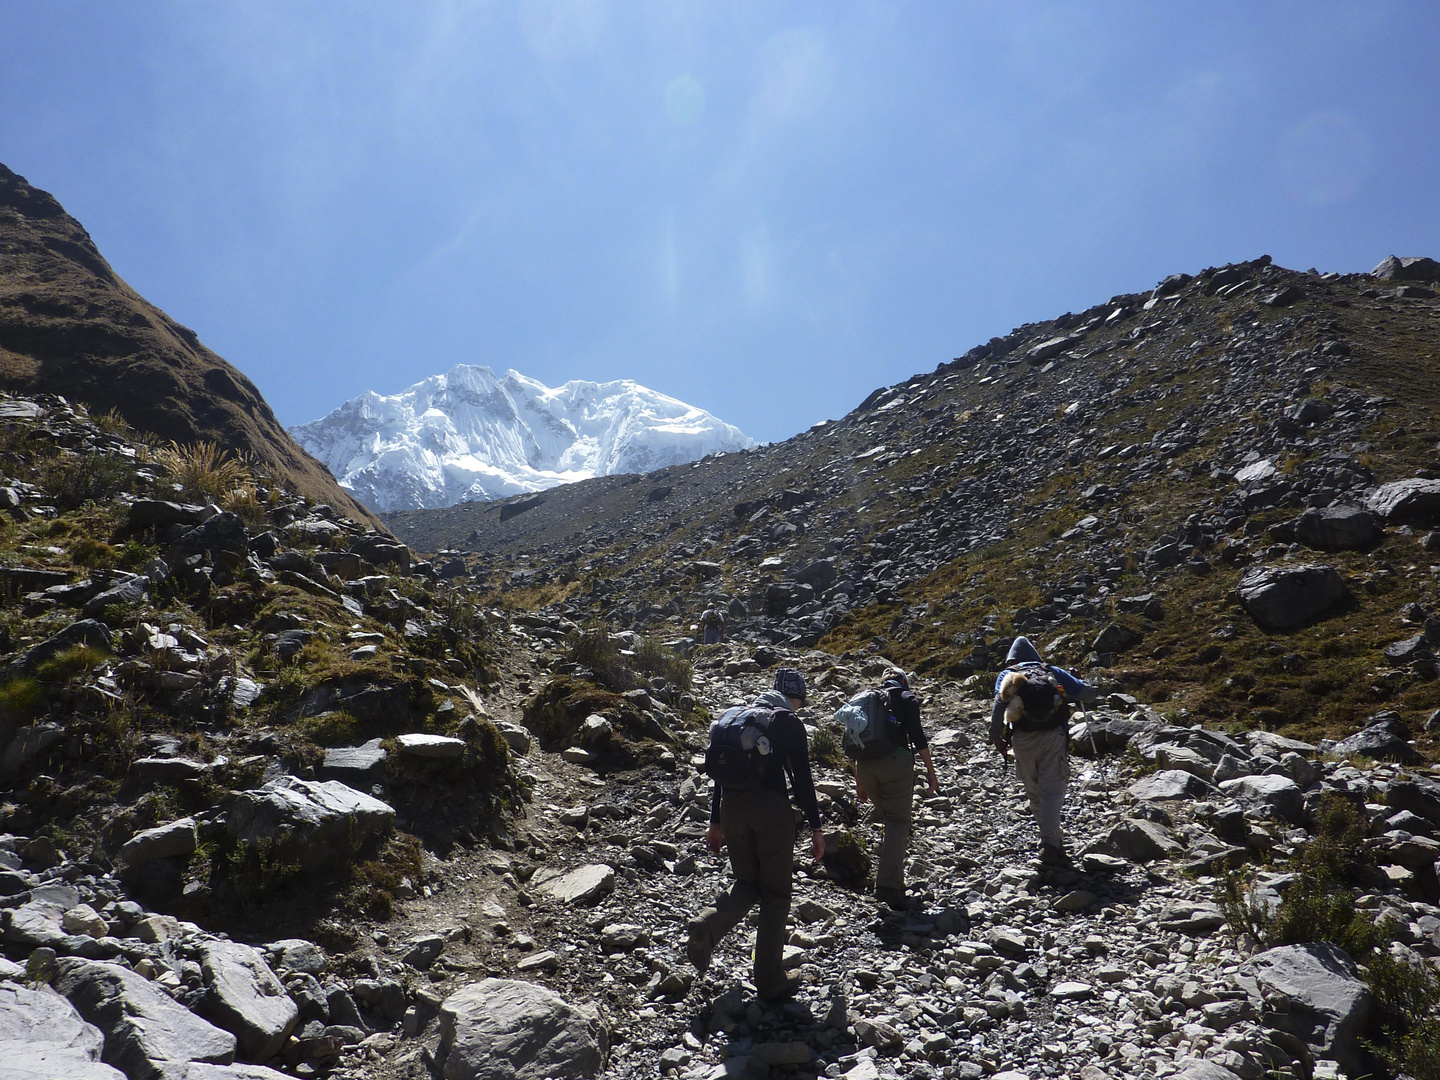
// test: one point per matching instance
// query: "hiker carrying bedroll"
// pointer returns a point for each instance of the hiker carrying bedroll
(751, 815)
(889, 782)
(1031, 715)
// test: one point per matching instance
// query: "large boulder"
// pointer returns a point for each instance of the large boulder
(224, 532)
(1171, 784)
(505, 1029)
(1384, 738)
(86, 632)
(1328, 1004)
(39, 921)
(1279, 794)
(145, 1028)
(380, 550)
(1290, 597)
(1140, 841)
(1419, 796)
(247, 999)
(177, 838)
(318, 825)
(1337, 528)
(1115, 638)
(199, 1070)
(43, 1037)
(1409, 268)
(819, 575)
(583, 885)
(355, 765)
(1408, 502)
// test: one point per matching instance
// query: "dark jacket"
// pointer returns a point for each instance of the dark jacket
(905, 707)
(1076, 689)
(791, 746)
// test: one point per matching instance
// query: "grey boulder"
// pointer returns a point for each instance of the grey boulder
(505, 1029)
(1140, 841)
(200, 1070)
(1408, 502)
(319, 825)
(144, 1027)
(363, 764)
(1328, 1004)
(176, 838)
(1408, 268)
(1337, 528)
(1385, 738)
(1290, 597)
(1279, 794)
(247, 999)
(42, 1037)
(1170, 784)
(582, 885)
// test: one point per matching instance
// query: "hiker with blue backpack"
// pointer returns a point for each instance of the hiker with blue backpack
(751, 753)
(1031, 715)
(883, 735)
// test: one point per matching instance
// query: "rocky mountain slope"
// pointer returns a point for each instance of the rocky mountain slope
(70, 326)
(472, 436)
(1119, 470)
(282, 798)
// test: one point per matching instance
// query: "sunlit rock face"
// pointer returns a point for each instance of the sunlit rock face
(472, 435)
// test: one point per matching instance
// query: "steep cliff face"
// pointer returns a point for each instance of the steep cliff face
(69, 325)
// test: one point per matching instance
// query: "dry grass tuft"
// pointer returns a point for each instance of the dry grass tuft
(206, 468)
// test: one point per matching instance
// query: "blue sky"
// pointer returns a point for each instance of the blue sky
(765, 209)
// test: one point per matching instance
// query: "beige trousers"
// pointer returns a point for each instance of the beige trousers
(889, 782)
(1042, 761)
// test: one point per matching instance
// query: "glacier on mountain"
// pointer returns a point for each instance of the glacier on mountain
(470, 435)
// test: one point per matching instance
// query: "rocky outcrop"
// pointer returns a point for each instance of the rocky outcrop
(499, 1029)
(1290, 597)
(1321, 1000)
(145, 1029)
(43, 1037)
(319, 826)
(247, 999)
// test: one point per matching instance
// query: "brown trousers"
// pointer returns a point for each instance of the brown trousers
(889, 783)
(760, 835)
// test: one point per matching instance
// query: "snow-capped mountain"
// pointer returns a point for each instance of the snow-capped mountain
(472, 435)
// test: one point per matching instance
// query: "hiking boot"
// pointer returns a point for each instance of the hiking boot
(894, 898)
(1051, 855)
(699, 946)
(786, 990)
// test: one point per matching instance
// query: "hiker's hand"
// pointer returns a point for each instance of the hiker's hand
(933, 780)
(817, 842)
(714, 838)
(1002, 748)
(860, 795)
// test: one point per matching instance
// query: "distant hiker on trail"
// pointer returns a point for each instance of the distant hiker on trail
(712, 625)
(751, 752)
(1031, 714)
(886, 776)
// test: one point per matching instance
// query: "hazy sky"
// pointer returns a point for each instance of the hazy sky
(765, 209)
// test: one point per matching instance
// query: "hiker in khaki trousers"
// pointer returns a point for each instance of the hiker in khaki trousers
(889, 782)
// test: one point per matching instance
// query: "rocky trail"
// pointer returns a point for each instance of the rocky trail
(1122, 967)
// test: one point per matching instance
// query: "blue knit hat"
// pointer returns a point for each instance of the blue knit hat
(790, 683)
